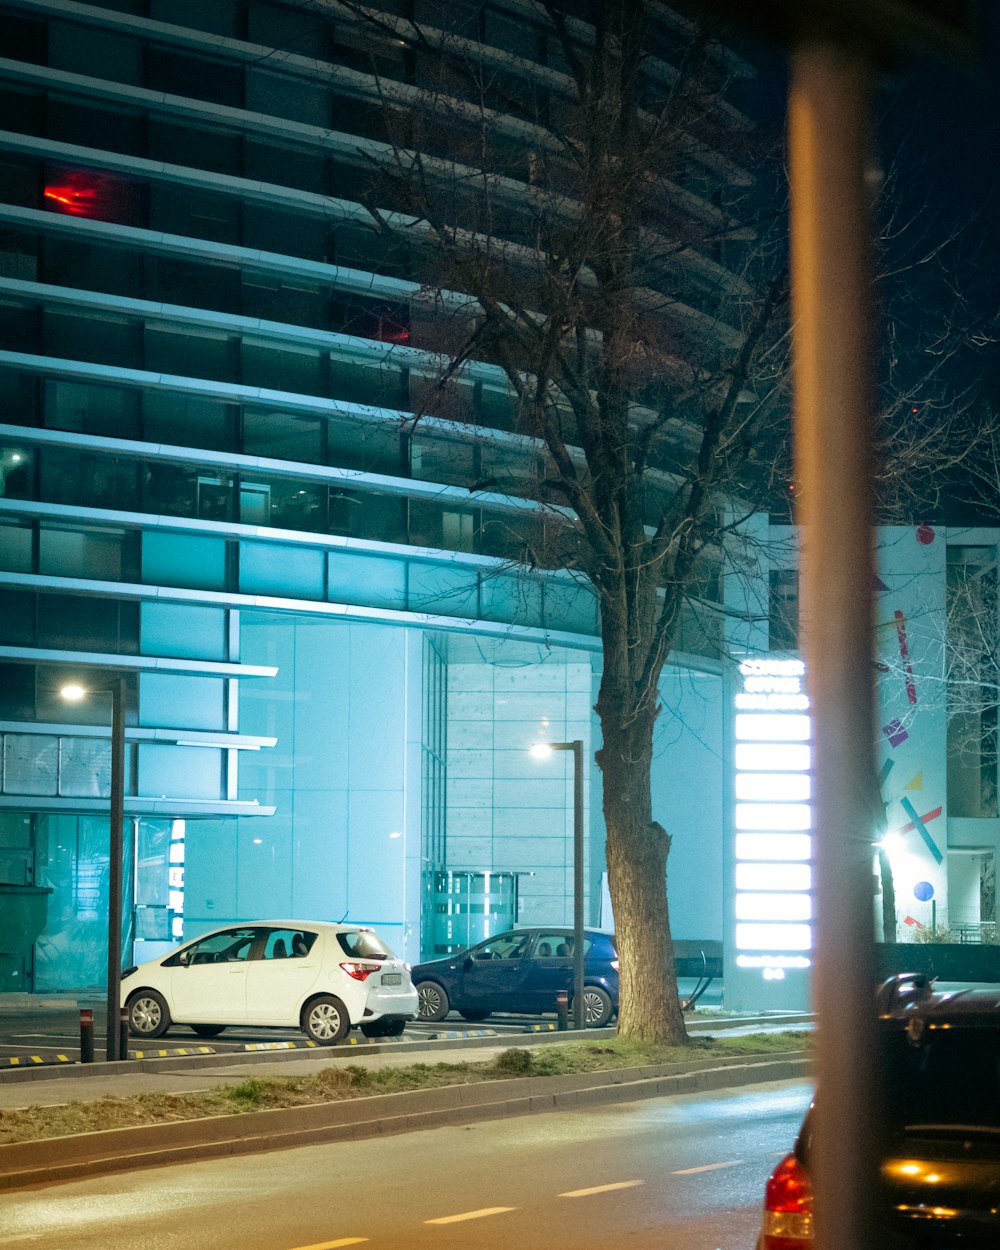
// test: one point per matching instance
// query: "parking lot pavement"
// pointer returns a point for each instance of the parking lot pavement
(50, 1032)
(50, 1024)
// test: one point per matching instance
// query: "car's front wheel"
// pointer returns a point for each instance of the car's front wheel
(148, 1014)
(384, 1028)
(432, 1001)
(207, 1030)
(597, 1007)
(325, 1020)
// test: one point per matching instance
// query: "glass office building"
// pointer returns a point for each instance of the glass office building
(213, 481)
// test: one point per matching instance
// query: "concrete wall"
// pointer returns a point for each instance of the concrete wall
(508, 810)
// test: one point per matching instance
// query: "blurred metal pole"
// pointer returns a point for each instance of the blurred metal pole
(576, 746)
(579, 1019)
(115, 855)
(829, 112)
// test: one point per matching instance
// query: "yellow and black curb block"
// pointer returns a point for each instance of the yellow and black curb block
(277, 1045)
(462, 1034)
(27, 1061)
(169, 1054)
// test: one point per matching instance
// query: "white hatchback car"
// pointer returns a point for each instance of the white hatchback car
(321, 978)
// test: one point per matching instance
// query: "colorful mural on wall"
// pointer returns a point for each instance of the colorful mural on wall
(909, 611)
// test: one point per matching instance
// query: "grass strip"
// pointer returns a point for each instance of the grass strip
(331, 1084)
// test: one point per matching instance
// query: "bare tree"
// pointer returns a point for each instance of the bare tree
(584, 224)
(583, 213)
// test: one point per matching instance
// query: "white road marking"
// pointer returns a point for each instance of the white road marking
(470, 1215)
(331, 1245)
(708, 1167)
(600, 1189)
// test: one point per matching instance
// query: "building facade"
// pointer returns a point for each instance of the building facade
(215, 482)
(936, 823)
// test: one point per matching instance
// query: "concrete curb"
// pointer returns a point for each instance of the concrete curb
(116, 1150)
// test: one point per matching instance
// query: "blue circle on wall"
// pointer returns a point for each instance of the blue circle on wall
(923, 890)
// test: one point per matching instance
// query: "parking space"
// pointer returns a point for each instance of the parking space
(51, 1032)
(49, 1029)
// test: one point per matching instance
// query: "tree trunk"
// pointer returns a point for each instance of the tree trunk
(637, 849)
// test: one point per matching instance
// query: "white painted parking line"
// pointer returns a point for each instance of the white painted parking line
(470, 1215)
(708, 1167)
(600, 1189)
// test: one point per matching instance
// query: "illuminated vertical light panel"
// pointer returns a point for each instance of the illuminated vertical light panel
(773, 818)
(175, 881)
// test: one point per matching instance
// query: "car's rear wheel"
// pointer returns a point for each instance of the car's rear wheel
(207, 1030)
(433, 1001)
(597, 1007)
(325, 1020)
(148, 1014)
(384, 1028)
(475, 1016)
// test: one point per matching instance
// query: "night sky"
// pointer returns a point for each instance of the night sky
(937, 140)
(943, 121)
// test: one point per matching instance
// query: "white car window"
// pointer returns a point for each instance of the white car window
(229, 946)
(288, 943)
(363, 944)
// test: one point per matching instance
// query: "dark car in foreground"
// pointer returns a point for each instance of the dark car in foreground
(521, 971)
(939, 1176)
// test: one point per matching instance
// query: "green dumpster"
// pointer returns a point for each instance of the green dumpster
(23, 912)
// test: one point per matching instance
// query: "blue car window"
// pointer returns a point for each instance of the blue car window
(550, 946)
(506, 946)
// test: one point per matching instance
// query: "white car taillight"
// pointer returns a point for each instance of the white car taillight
(359, 971)
(788, 1208)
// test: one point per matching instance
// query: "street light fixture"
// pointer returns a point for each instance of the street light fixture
(75, 693)
(540, 751)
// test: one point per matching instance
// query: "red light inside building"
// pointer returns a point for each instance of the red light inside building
(89, 193)
(389, 331)
(74, 193)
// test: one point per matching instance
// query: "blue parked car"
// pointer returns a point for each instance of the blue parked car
(520, 971)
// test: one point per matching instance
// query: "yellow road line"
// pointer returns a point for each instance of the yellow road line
(470, 1215)
(600, 1189)
(708, 1167)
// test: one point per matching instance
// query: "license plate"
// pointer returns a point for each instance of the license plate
(392, 978)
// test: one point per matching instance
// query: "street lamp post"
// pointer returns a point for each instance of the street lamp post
(576, 746)
(116, 847)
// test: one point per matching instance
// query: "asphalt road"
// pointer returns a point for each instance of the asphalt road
(684, 1173)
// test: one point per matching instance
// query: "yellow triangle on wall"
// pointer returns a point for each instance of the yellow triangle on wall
(915, 783)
